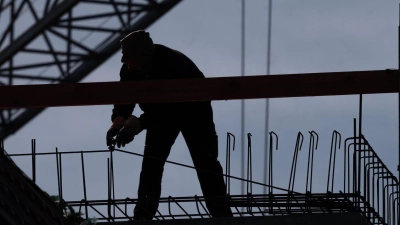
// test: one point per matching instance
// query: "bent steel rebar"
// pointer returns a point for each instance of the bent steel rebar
(310, 162)
(332, 163)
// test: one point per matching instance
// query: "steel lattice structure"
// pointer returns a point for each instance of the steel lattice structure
(52, 41)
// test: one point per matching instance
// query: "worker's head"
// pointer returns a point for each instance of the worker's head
(137, 49)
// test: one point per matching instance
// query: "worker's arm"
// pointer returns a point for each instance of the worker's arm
(124, 110)
(121, 113)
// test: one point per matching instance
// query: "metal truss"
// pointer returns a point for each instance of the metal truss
(52, 41)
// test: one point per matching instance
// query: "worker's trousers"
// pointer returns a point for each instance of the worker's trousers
(198, 130)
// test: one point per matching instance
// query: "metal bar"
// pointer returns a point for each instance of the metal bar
(109, 190)
(76, 43)
(126, 215)
(11, 24)
(334, 158)
(242, 102)
(177, 203)
(87, 28)
(99, 15)
(348, 165)
(58, 175)
(33, 142)
(40, 51)
(192, 167)
(35, 30)
(84, 185)
(204, 208)
(359, 143)
(310, 161)
(30, 77)
(332, 162)
(297, 148)
(118, 13)
(269, 30)
(354, 158)
(141, 155)
(117, 3)
(398, 83)
(169, 207)
(46, 7)
(249, 186)
(222, 88)
(315, 144)
(11, 62)
(47, 40)
(270, 171)
(249, 165)
(98, 212)
(34, 65)
(69, 36)
(61, 186)
(112, 179)
(54, 153)
(126, 205)
(197, 206)
(54, 4)
(129, 5)
(228, 160)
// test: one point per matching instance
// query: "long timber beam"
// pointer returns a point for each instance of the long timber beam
(181, 90)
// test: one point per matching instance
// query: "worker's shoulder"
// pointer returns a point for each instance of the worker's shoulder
(163, 50)
(176, 60)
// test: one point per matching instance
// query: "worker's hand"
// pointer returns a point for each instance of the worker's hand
(124, 137)
(128, 132)
(118, 122)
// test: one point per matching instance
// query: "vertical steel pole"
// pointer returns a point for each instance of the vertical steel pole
(398, 71)
(33, 142)
(354, 155)
(242, 101)
(267, 100)
(61, 189)
(112, 180)
(109, 190)
(359, 144)
(58, 175)
(84, 185)
(69, 36)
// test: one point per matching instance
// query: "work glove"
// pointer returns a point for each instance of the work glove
(128, 132)
(118, 122)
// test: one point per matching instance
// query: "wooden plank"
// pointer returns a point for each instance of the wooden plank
(220, 88)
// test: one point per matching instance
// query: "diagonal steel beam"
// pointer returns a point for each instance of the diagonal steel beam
(36, 29)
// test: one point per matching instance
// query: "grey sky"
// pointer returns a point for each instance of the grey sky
(308, 37)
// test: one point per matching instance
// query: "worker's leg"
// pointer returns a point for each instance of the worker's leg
(200, 136)
(159, 139)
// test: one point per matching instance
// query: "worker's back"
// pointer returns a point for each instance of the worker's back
(168, 63)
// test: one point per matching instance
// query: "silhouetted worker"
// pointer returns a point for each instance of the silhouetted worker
(143, 60)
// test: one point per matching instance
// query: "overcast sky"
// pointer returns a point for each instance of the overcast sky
(308, 36)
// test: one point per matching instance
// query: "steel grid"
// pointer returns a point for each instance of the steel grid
(369, 187)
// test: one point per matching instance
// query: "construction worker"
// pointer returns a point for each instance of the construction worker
(143, 60)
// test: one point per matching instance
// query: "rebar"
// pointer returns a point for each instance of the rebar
(375, 195)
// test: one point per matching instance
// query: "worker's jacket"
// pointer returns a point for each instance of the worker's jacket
(166, 64)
